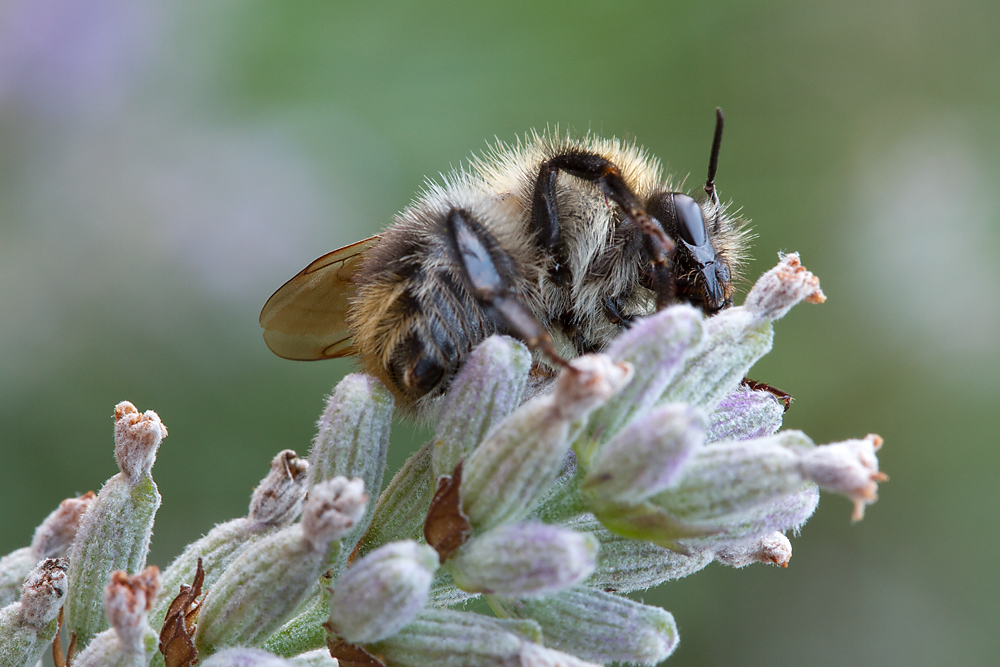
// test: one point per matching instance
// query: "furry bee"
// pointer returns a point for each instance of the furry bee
(560, 242)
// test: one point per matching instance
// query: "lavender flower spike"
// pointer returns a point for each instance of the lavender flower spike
(114, 533)
(28, 626)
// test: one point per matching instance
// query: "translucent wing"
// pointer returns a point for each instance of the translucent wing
(305, 318)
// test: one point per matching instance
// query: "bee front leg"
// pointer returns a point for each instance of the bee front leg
(608, 178)
(487, 270)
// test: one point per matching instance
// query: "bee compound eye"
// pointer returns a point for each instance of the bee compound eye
(690, 221)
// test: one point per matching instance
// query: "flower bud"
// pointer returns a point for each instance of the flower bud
(402, 507)
(353, 437)
(137, 437)
(727, 481)
(272, 578)
(333, 508)
(249, 657)
(445, 637)
(114, 532)
(773, 548)
(318, 658)
(598, 626)
(519, 459)
(625, 565)
(738, 337)
(276, 501)
(849, 468)
(52, 539)
(647, 455)
(657, 348)
(130, 642)
(524, 559)
(486, 390)
(382, 592)
(28, 626)
(745, 414)
(788, 283)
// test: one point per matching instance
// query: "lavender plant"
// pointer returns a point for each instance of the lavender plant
(637, 466)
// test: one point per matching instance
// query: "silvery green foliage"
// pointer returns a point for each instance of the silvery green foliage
(635, 467)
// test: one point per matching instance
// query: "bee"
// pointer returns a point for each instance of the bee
(560, 242)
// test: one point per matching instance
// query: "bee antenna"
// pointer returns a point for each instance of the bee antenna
(713, 160)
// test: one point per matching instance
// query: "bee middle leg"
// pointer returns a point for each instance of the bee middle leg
(608, 178)
(613, 309)
(486, 267)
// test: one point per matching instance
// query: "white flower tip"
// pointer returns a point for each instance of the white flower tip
(278, 497)
(136, 438)
(776, 549)
(55, 535)
(333, 507)
(849, 468)
(773, 549)
(782, 287)
(127, 600)
(43, 592)
(587, 382)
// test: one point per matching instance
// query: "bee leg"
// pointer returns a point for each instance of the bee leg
(608, 178)
(613, 309)
(783, 396)
(484, 264)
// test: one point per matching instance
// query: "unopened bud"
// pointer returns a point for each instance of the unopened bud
(382, 592)
(273, 577)
(332, 509)
(773, 549)
(657, 348)
(28, 626)
(248, 657)
(137, 437)
(486, 390)
(518, 461)
(647, 455)
(115, 531)
(745, 414)
(599, 626)
(849, 468)
(524, 559)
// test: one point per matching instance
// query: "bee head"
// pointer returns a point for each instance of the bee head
(702, 275)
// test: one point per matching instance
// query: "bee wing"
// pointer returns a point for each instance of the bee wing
(306, 318)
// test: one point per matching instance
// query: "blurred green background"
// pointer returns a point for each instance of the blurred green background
(165, 166)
